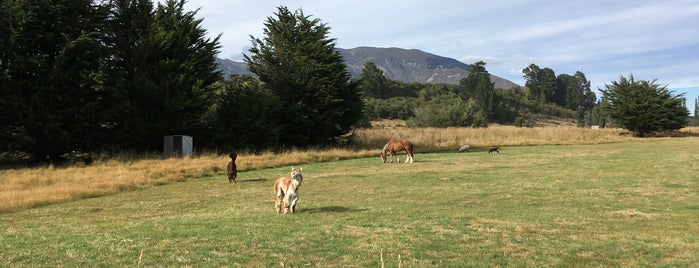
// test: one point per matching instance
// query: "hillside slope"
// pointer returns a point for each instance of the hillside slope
(405, 65)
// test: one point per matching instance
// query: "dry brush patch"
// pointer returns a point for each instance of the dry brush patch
(431, 139)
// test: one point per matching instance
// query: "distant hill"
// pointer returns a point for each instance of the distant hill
(229, 67)
(405, 65)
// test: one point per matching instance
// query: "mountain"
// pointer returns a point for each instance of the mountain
(229, 67)
(405, 65)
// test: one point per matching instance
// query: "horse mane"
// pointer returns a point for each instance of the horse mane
(385, 147)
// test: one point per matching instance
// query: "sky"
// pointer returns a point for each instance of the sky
(651, 40)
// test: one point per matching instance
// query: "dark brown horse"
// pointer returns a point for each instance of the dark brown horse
(394, 146)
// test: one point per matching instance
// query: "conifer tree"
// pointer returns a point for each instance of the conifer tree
(51, 64)
(297, 61)
(166, 68)
(644, 107)
(477, 85)
(373, 82)
(245, 115)
(541, 82)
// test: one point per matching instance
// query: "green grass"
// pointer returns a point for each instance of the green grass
(624, 204)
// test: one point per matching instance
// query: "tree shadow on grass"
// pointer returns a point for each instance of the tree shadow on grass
(673, 134)
(330, 209)
(253, 180)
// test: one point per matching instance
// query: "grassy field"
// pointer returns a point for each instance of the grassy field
(31, 187)
(626, 204)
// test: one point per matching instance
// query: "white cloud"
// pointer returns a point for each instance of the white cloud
(603, 39)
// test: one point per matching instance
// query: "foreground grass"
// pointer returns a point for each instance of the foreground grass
(623, 204)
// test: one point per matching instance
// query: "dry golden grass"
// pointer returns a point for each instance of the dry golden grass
(439, 139)
(690, 130)
(30, 187)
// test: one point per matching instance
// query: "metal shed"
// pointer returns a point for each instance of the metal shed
(177, 145)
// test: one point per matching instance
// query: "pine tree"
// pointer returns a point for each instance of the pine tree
(245, 116)
(166, 67)
(373, 82)
(477, 85)
(53, 65)
(644, 107)
(297, 60)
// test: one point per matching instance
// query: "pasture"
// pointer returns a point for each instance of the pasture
(627, 204)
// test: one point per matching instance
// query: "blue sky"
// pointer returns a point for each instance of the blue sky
(653, 40)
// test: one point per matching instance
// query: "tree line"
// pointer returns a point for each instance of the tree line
(475, 101)
(85, 77)
(640, 106)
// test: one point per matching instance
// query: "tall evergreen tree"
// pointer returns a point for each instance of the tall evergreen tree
(245, 115)
(297, 60)
(166, 68)
(573, 92)
(477, 85)
(586, 100)
(541, 82)
(373, 82)
(54, 72)
(644, 107)
(567, 91)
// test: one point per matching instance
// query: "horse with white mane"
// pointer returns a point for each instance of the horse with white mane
(286, 191)
(394, 146)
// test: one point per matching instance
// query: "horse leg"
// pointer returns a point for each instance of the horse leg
(409, 154)
(395, 153)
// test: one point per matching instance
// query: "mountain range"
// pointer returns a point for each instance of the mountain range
(405, 65)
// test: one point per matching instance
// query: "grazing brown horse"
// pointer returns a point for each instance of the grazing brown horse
(394, 146)
(232, 169)
(286, 191)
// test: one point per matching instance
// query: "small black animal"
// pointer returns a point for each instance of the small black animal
(495, 149)
(232, 169)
